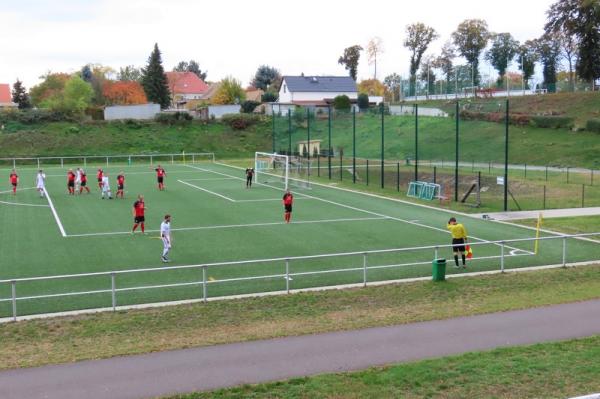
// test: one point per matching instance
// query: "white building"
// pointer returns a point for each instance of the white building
(314, 91)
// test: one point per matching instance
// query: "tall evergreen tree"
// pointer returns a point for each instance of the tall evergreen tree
(350, 60)
(548, 48)
(154, 80)
(20, 96)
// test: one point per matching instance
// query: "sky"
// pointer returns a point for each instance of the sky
(233, 38)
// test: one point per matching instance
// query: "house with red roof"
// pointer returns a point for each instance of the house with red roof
(185, 87)
(6, 96)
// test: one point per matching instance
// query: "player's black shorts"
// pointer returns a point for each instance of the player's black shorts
(120, 186)
(288, 208)
(458, 244)
(14, 184)
(139, 219)
(160, 179)
(100, 180)
(84, 183)
(70, 183)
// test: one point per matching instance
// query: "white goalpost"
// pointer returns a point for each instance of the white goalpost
(271, 168)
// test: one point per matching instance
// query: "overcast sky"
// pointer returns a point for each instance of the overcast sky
(234, 37)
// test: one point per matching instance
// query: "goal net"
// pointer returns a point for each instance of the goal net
(271, 168)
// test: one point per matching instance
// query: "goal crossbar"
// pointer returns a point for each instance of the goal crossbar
(271, 165)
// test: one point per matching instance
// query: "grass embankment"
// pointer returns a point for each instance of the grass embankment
(112, 138)
(551, 370)
(59, 340)
(581, 106)
(568, 225)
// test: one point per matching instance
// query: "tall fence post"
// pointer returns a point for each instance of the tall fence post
(546, 172)
(434, 174)
(353, 145)
(398, 176)
(113, 291)
(416, 142)
(502, 256)
(367, 172)
(506, 120)
(13, 289)
(287, 276)
(382, 146)
(341, 166)
(364, 269)
(544, 201)
(204, 287)
(564, 252)
(583, 195)
(592, 177)
(329, 147)
(456, 154)
(567, 174)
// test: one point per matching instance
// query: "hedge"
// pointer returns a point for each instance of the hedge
(240, 121)
(171, 118)
(593, 125)
(553, 122)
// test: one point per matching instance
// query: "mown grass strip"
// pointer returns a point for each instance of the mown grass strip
(551, 370)
(68, 339)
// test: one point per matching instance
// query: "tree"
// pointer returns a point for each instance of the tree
(86, 73)
(20, 96)
(569, 48)
(265, 77)
(129, 74)
(350, 60)
(96, 75)
(191, 66)
(74, 99)
(230, 91)
(53, 84)
(527, 57)
(363, 101)
(374, 48)
(124, 93)
(392, 84)
(154, 80)
(371, 87)
(427, 74)
(470, 38)
(445, 62)
(342, 103)
(500, 55)
(548, 49)
(579, 18)
(419, 37)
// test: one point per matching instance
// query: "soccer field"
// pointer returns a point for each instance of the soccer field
(216, 219)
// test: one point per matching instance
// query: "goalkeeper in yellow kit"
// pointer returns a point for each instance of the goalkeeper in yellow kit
(459, 238)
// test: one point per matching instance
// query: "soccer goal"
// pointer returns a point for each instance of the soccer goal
(271, 168)
(423, 190)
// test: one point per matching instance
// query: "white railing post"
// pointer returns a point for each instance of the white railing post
(106, 161)
(85, 161)
(14, 163)
(204, 287)
(502, 256)
(193, 158)
(172, 160)
(151, 163)
(435, 253)
(113, 291)
(62, 163)
(365, 269)
(13, 288)
(287, 276)
(564, 252)
(38, 162)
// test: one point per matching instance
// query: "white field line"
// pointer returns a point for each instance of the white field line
(127, 173)
(231, 226)
(22, 204)
(58, 222)
(18, 189)
(556, 233)
(373, 213)
(212, 179)
(205, 190)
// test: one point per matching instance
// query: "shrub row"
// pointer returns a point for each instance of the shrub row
(593, 125)
(544, 121)
(240, 121)
(172, 118)
(553, 122)
(36, 116)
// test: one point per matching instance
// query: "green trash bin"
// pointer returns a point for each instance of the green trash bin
(439, 270)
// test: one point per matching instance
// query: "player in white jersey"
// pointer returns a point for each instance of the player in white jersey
(165, 235)
(77, 180)
(106, 187)
(40, 183)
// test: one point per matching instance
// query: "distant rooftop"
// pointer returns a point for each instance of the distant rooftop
(320, 83)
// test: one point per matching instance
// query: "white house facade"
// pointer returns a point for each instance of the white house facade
(316, 90)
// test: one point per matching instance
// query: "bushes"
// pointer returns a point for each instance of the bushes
(240, 121)
(554, 122)
(593, 125)
(173, 118)
(269, 97)
(31, 116)
(341, 103)
(363, 101)
(249, 106)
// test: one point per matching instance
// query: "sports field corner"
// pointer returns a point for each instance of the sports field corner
(231, 240)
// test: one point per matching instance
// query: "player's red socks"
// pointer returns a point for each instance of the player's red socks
(134, 227)
(142, 227)
(14, 190)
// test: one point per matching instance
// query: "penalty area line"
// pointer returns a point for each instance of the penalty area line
(58, 222)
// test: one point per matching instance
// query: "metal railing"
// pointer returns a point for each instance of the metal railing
(106, 159)
(287, 273)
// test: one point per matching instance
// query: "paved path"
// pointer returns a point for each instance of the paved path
(188, 370)
(548, 213)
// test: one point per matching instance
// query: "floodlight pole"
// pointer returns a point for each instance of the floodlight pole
(329, 141)
(353, 145)
(456, 156)
(416, 142)
(382, 147)
(506, 159)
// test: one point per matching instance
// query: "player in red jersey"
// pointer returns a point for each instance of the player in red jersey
(83, 183)
(160, 176)
(71, 182)
(14, 180)
(288, 201)
(99, 176)
(139, 207)
(120, 184)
